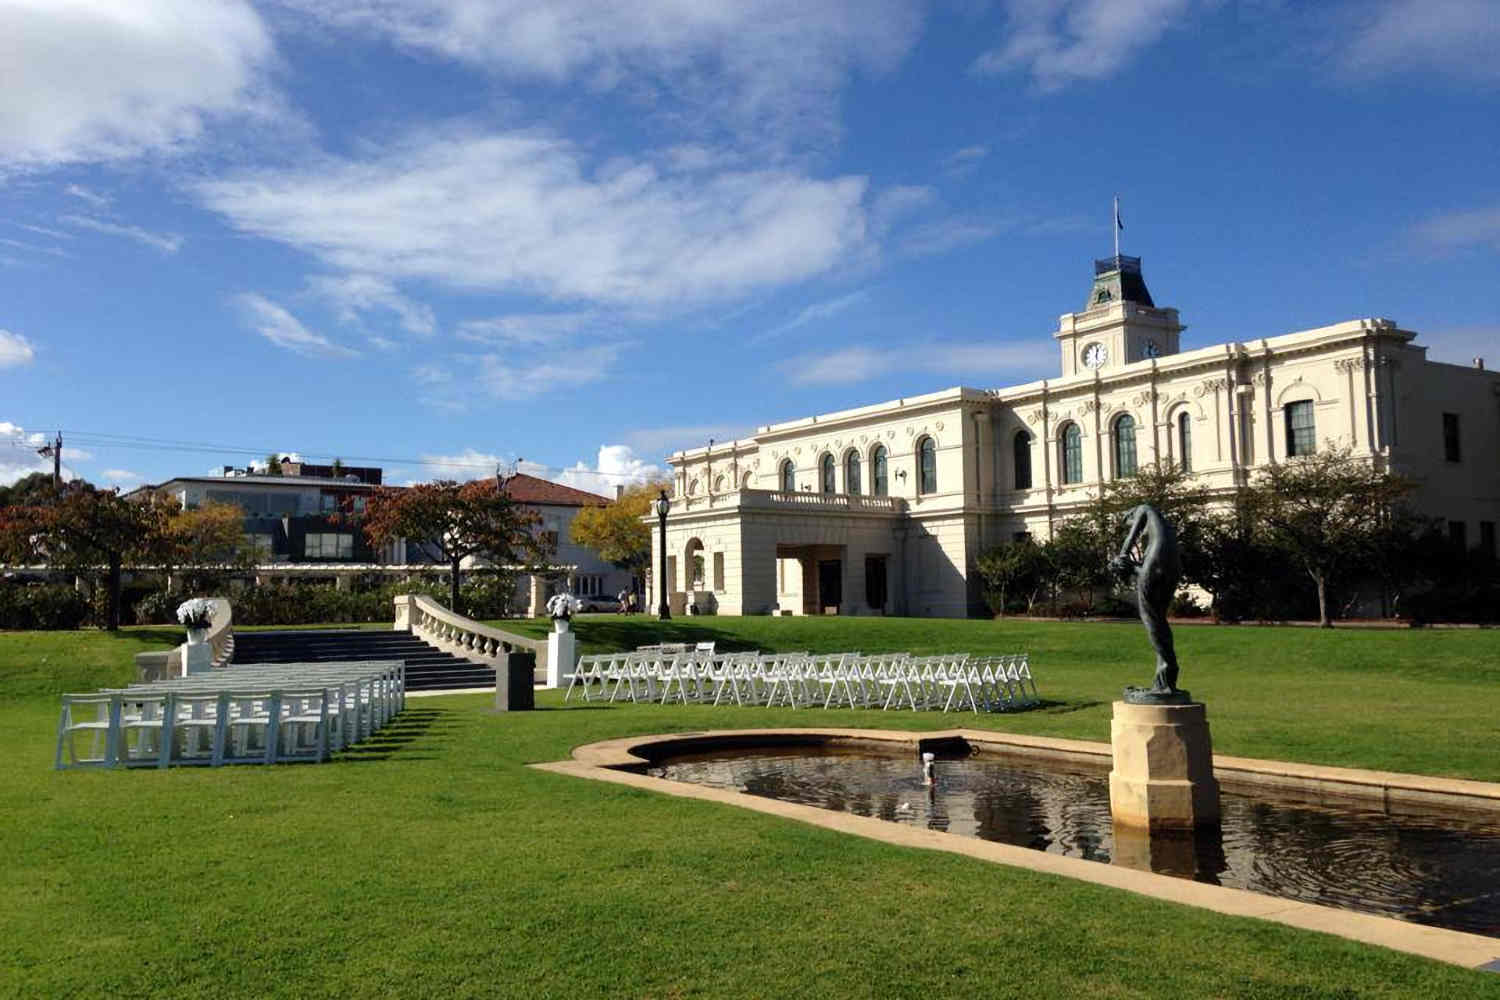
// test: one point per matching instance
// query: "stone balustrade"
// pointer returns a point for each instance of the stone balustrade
(162, 665)
(453, 633)
(843, 503)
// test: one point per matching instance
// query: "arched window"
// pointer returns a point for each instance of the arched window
(926, 466)
(1072, 454)
(718, 484)
(879, 484)
(1301, 432)
(788, 477)
(1185, 441)
(692, 487)
(1124, 446)
(852, 473)
(1023, 460)
(825, 474)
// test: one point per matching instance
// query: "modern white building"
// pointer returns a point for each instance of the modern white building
(885, 509)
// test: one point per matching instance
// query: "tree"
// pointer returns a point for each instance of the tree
(337, 469)
(616, 531)
(32, 490)
(87, 528)
(273, 464)
(1327, 512)
(460, 520)
(1009, 567)
(209, 539)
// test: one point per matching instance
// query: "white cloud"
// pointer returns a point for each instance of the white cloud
(165, 242)
(524, 213)
(771, 68)
(284, 330)
(964, 161)
(355, 294)
(1015, 361)
(536, 329)
(94, 198)
(15, 350)
(89, 80)
(124, 477)
(463, 466)
(507, 378)
(1060, 42)
(1452, 37)
(1473, 227)
(19, 458)
(617, 465)
(814, 313)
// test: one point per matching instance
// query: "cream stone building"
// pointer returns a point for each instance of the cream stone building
(885, 509)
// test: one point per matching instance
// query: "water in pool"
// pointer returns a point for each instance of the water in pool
(1438, 869)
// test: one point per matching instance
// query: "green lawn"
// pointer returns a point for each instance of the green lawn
(432, 863)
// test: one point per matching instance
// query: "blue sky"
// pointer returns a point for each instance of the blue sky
(446, 234)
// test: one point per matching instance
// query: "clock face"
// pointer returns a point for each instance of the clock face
(1094, 355)
(1152, 351)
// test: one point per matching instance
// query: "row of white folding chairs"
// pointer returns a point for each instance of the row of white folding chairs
(266, 716)
(364, 694)
(800, 679)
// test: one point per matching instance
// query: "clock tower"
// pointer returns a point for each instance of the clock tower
(1119, 325)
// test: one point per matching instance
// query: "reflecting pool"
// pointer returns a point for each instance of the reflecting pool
(1429, 868)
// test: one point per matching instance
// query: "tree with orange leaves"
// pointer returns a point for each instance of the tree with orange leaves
(459, 520)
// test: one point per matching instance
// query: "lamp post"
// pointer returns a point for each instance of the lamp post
(663, 504)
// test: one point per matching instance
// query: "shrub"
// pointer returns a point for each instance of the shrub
(42, 607)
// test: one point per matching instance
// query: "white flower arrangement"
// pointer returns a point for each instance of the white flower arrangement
(196, 613)
(563, 605)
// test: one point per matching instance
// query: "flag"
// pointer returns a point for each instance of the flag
(1118, 224)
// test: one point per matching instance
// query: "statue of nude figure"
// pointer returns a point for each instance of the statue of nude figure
(1155, 575)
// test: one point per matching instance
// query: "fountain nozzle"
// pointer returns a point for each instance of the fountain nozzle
(929, 775)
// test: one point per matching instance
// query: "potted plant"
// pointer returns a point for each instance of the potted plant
(562, 608)
(196, 616)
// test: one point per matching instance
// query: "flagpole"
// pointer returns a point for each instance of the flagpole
(1116, 228)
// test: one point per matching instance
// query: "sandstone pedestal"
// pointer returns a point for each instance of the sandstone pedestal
(197, 658)
(562, 657)
(1163, 777)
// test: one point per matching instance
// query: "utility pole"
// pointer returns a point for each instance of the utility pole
(55, 450)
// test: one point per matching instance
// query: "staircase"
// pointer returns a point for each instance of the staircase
(427, 669)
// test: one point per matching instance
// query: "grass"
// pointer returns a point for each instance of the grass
(433, 863)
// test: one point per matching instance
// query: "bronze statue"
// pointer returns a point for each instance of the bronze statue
(1155, 575)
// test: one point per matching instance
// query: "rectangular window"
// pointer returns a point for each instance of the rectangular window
(1452, 451)
(718, 571)
(1301, 434)
(262, 545)
(328, 546)
(328, 503)
(1487, 538)
(1458, 534)
(549, 539)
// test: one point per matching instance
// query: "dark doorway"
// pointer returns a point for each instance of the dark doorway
(830, 583)
(875, 582)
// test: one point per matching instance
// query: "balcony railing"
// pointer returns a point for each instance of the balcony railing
(1122, 263)
(776, 500)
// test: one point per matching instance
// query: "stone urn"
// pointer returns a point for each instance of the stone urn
(562, 623)
(197, 636)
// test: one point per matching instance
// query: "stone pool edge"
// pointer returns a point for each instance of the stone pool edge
(612, 761)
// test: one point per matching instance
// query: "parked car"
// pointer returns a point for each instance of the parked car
(596, 603)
